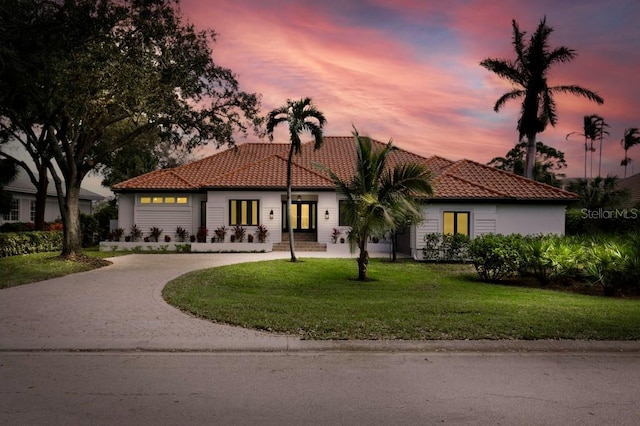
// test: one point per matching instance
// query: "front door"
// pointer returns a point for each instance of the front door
(304, 216)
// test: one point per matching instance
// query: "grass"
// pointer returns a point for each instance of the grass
(319, 299)
(18, 270)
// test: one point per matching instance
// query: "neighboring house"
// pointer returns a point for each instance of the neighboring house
(23, 206)
(632, 183)
(246, 186)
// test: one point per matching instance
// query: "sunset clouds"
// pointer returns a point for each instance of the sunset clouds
(409, 69)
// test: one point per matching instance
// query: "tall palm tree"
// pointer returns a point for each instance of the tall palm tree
(631, 138)
(302, 116)
(528, 72)
(379, 198)
(592, 129)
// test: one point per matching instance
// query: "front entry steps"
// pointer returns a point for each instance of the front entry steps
(300, 246)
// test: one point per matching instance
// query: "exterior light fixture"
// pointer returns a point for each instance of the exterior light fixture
(326, 214)
(271, 215)
(299, 198)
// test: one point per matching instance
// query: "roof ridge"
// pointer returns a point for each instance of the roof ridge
(486, 188)
(522, 178)
(185, 180)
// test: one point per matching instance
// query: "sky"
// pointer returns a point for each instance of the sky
(408, 70)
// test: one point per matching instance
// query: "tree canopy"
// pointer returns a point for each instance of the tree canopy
(82, 79)
(549, 163)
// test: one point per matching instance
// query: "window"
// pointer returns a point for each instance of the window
(32, 211)
(244, 212)
(342, 216)
(14, 213)
(456, 223)
(164, 200)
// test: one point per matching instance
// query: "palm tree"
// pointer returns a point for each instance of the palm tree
(379, 198)
(631, 138)
(529, 74)
(599, 193)
(302, 116)
(592, 129)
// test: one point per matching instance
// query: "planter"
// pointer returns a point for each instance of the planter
(232, 247)
(141, 246)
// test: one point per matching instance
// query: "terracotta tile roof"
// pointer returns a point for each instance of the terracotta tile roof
(263, 165)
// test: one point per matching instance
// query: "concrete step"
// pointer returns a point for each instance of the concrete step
(300, 246)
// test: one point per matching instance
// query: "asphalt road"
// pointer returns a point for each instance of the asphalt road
(319, 388)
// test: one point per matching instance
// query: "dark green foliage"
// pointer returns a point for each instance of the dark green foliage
(104, 213)
(549, 163)
(17, 243)
(446, 247)
(90, 229)
(496, 256)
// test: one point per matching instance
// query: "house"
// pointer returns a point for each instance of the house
(23, 205)
(246, 185)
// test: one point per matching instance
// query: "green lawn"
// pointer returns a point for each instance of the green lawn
(319, 299)
(17, 270)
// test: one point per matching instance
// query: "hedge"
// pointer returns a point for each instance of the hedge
(17, 243)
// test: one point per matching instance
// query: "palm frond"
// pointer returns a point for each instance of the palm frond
(514, 94)
(578, 91)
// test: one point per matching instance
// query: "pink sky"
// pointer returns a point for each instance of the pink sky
(408, 70)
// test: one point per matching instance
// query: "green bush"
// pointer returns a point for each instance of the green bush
(614, 264)
(446, 247)
(497, 256)
(552, 257)
(17, 243)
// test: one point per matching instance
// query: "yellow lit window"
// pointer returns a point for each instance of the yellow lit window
(182, 200)
(157, 200)
(170, 200)
(145, 200)
(455, 223)
(244, 212)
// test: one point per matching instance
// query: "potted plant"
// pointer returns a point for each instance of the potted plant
(221, 233)
(192, 238)
(155, 233)
(117, 234)
(262, 233)
(135, 233)
(167, 239)
(201, 236)
(250, 238)
(238, 233)
(334, 235)
(181, 234)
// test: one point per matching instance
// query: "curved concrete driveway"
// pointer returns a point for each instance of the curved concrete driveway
(120, 307)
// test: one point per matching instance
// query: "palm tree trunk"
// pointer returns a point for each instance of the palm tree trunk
(585, 156)
(531, 156)
(600, 159)
(363, 261)
(289, 224)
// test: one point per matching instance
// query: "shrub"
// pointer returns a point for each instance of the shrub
(238, 233)
(201, 235)
(496, 256)
(552, 257)
(135, 233)
(221, 233)
(17, 243)
(446, 247)
(335, 234)
(261, 233)
(155, 233)
(182, 234)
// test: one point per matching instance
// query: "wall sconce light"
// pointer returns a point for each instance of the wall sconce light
(271, 215)
(299, 198)
(326, 214)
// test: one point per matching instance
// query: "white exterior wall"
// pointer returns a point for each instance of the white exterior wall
(51, 211)
(218, 211)
(328, 201)
(525, 219)
(126, 206)
(531, 219)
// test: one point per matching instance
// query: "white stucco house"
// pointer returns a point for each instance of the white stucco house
(246, 186)
(23, 206)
